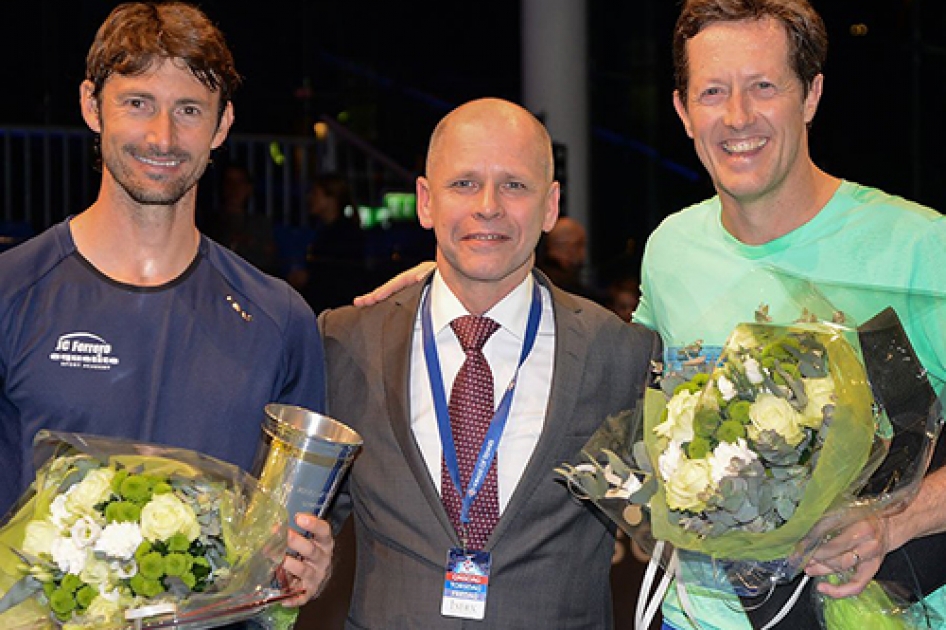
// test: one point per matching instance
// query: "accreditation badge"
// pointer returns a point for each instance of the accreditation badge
(465, 584)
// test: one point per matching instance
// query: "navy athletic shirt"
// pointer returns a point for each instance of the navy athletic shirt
(191, 363)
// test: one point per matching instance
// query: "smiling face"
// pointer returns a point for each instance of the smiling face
(488, 196)
(747, 111)
(157, 130)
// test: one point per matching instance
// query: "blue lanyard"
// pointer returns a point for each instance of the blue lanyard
(497, 424)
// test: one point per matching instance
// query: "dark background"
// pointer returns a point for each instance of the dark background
(390, 70)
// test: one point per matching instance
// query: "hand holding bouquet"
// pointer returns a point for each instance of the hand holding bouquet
(117, 531)
(732, 477)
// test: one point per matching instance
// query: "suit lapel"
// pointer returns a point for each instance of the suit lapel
(397, 339)
(570, 351)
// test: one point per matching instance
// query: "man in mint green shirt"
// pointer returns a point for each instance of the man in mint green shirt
(699, 280)
(748, 86)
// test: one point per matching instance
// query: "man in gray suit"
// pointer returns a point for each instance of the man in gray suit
(488, 195)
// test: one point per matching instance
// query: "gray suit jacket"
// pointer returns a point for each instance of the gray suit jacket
(551, 553)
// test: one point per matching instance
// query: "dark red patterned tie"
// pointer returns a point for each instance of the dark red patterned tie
(471, 409)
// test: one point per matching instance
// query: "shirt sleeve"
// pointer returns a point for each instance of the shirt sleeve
(303, 378)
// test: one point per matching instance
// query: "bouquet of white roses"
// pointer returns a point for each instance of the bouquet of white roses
(734, 473)
(764, 443)
(742, 462)
(115, 533)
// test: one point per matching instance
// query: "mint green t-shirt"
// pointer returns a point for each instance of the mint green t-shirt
(864, 251)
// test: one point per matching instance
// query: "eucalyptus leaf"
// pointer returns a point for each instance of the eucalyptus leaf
(796, 385)
(785, 507)
(22, 590)
(646, 491)
(775, 388)
(618, 465)
(641, 458)
(670, 383)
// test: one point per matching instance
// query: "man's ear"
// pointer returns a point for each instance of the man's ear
(223, 127)
(424, 214)
(551, 207)
(90, 106)
(681, 108)
(813, 98)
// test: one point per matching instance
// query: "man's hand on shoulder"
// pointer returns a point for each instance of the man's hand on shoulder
(401, 281)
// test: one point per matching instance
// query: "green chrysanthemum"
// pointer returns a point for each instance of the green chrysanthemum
(698, 448)
(689, 386)
(122, 512)
(143, 549)
(188, 579)
(177, 563)
(136, 488)
(146, 587)
(118, 479)
(62, 602)
(151, 565)
(85, 595)
(700, 380)
(739, 411)
(730, 431)
(70, 583)
(705, 422)
(178, 542)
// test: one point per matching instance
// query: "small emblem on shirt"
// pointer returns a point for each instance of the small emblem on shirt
(239, 309)
(83, 350)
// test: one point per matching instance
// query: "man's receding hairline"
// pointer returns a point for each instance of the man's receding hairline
(480, 110)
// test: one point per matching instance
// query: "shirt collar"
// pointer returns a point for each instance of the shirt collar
(511, 312)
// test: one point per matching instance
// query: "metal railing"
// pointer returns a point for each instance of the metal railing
(49, 173)
(46, 174)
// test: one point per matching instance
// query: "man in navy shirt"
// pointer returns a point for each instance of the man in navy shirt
(124, 320)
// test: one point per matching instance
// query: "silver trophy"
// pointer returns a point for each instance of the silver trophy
(302, 457)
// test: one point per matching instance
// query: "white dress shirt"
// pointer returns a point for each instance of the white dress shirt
(502, 350)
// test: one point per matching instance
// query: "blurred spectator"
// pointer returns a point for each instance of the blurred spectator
(335, 270)
(621, 277)
(562, 256)
(233, 225)
(623, 296)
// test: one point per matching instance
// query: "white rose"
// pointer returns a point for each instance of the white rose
(97, 573)
(820, 392)
(59, 515)
(124, 569)
(114, 595)
(690, 486)
(94, 489)
(772, 413)
(119, 540)
(726, 388)
(753, 371)
(166, 515)
(104, 609)
(680, 411)
(85, 531)
(39, 536)
(68, 556)
(727, 459)
(669, 460)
